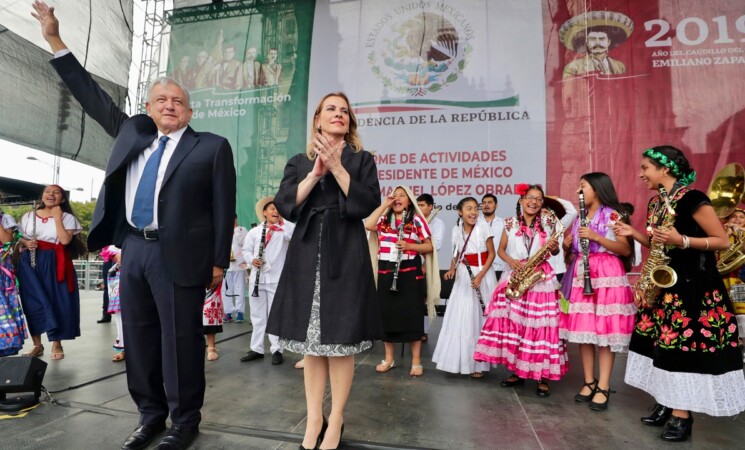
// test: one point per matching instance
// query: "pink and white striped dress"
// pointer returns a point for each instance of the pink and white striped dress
(523, 334)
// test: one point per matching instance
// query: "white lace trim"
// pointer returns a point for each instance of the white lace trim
(715, 395)
(531, 322)
(628, 309)
(618, 343)
(604, 282)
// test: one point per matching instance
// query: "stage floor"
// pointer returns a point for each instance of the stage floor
(256, 405)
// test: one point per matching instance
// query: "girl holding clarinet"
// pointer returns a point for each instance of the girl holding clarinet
(403, 234)
(601, 304)
(473, 254)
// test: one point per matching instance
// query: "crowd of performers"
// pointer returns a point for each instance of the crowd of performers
(514, 300)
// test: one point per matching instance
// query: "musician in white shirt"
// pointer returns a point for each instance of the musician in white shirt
(234, 283)
(265, 247)
(496, 225)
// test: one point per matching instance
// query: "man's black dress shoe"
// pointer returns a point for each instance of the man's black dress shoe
(251, 356)
(677, 428)
(104, 319)
(277, 358)
(178, 438)
(141, 436)
(660, 415)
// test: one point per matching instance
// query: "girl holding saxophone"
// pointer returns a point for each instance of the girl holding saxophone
(684, 349)
(522, 328)
(601, 304)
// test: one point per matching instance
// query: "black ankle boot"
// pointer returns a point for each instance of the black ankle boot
(678, 429)
(660, 415)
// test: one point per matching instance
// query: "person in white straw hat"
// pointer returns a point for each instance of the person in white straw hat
(265, 249)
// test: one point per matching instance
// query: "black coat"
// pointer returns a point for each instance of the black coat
(196, 202)
(349, 303)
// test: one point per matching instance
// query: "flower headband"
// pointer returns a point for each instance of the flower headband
(685, 180)
(522, 189)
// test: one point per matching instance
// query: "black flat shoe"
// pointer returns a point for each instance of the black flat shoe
(320, 436)
(104, 319)
(677, 429)
(601, 406)
(142, 436)
(586, 398)
(660, 415)
(542, 392)
(178, 438)
(277, 358)
(513, 380)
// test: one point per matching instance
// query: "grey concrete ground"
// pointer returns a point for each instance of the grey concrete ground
(259, 406)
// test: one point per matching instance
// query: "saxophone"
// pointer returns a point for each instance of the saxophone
(522, 279)
(655, 273)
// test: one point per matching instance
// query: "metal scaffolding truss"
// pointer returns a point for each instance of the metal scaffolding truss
(223, 10)
(156, 28)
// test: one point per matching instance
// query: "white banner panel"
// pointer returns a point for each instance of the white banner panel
(452, 103)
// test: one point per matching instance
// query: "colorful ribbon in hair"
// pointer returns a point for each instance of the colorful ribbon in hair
(685, 180)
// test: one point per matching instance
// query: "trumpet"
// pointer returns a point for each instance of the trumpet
(434, 212)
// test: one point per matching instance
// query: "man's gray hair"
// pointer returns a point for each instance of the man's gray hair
(165, 81)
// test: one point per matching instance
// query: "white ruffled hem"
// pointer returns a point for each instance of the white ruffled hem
(715, 395)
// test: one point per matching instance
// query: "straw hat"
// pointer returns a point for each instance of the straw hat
(260, 205)
(617, 26)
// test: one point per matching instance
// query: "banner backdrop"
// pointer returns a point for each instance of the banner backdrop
(466, 97)
(658, 73)
(247, 73)
(446, 95)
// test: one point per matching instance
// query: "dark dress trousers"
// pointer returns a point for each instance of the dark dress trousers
(162, 281)
(349, 303)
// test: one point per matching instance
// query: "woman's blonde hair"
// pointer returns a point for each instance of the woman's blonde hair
(352, 138)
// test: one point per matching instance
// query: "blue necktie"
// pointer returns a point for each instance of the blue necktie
(142, 211)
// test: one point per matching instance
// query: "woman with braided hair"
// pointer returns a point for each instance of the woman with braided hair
(684, 350)
(523, 333)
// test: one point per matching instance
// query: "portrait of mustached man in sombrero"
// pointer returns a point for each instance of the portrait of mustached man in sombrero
(593, 34)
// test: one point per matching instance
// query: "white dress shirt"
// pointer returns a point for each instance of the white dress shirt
(496, 225)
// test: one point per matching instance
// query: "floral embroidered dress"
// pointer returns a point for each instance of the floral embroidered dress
(606, 317)
(685, 351)
(523, 334)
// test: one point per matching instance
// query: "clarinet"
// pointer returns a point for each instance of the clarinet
(261, 254)
(585, 243)
(477, 289)
(400, 252)
(32, 255)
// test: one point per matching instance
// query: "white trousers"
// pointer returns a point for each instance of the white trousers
(234, 292)
(119, 341)
(260, 307)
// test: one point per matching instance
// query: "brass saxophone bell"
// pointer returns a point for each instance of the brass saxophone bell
(663, 276)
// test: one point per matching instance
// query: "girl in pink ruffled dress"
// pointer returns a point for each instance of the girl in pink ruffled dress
(523, 333)
(604, 319)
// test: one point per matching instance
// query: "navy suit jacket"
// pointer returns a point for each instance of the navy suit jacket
(196, 202)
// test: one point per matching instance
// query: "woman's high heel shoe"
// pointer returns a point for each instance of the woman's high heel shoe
(320, 436)
(338, 446)
(678, 429)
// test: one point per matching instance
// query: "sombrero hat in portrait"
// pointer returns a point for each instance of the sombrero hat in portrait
(617, 26)
(260, 205)
(551, 202)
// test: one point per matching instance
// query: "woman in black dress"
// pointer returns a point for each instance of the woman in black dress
(326, 307)
(684, 350)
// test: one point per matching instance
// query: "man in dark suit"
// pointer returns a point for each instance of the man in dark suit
(167, 201)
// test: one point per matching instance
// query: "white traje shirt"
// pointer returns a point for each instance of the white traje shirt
(274, 253)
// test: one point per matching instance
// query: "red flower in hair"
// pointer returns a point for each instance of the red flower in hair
(521, 189)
